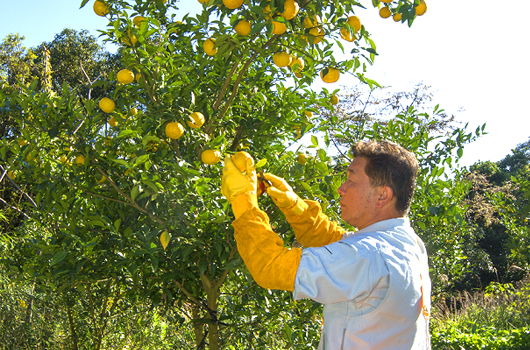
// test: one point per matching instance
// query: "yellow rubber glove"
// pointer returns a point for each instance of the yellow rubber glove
(283, 195)
(238, 188)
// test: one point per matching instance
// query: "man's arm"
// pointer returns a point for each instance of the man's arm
(312, 228)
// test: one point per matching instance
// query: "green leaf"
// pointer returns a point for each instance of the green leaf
(125, 133)
(314, 140)
(261, 163)
(142, 159)
(135, 191)
(83, 3)
(58, 257)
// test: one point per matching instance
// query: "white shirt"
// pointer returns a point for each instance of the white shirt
(370, 283)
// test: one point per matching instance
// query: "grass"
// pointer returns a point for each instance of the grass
(498, 318)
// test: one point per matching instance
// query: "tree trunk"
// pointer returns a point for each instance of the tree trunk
(72, 326)
(198, 328)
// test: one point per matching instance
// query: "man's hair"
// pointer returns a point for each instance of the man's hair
(389, 164)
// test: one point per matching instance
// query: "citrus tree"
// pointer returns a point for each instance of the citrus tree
(122, 192)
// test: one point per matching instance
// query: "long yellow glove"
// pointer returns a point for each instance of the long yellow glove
(283, 195)
(312, 228)
(239, 189)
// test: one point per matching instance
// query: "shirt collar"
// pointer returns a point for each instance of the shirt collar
(386, 225)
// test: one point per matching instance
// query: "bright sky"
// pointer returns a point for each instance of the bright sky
(474, 54)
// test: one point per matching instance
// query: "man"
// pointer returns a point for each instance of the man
(374, 283)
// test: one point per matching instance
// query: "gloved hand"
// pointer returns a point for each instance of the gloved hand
(283, 195)
(234, 182)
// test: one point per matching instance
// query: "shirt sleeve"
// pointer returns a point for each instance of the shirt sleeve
(341, 272)
(313, 228)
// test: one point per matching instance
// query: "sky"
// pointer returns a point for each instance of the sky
(474, 55)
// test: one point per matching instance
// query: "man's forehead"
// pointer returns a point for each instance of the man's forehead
(356, 166)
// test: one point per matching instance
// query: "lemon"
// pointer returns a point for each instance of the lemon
(385, 12)
(347, 35)
(386, 1)
(291, 9)
(278, 27)
(233, 4)
(355, 22)
(331, 76)
(63, 159)
(125, 76)
(243, 27)
(198, 120)
(107, 105)
(101, 9)
(397, 17)
(174, 130)
(209, 47)
(133, 111)
(80, 159)
(100, 178)
(334, 100)
(211, 156)
(297, 64)
(308, 114)
(302, 158)
(137, 21)
(113, 122)
(282, 59)
(421, 8)
(22, 142)
(310, 23)
(317, 34)
(129, 39)
(240, 160)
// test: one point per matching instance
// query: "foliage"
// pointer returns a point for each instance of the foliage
(494, 319)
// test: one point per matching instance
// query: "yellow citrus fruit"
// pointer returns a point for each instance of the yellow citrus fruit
(233, 4)
(137, 21)
(302, 158)
(397, 17)
(308, 114)
(386, 1)
(125, 76)
(334, 100)
(243, 27)
(291, 9)
(113, 122)
(174, 130)
(107, 105)
(282, 59)
(209, 47)
(297, 64)
(100, 178)
(298, 131)
(80, 159)
(240, 160)
(311, 22)
(101, 9)
(133, 111)
(317, 34)
(421, 8)
(385, 12)
(198, 120)
(355, 22)
(278, 27)
(11, 174)
(22, 142)
(63, 159)
(331, 76)
(347, 35)
(211, 156)
(129, 39)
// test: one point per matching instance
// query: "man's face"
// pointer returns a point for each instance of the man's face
(358, 197)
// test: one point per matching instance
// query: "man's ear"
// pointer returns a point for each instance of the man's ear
(386, 195)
